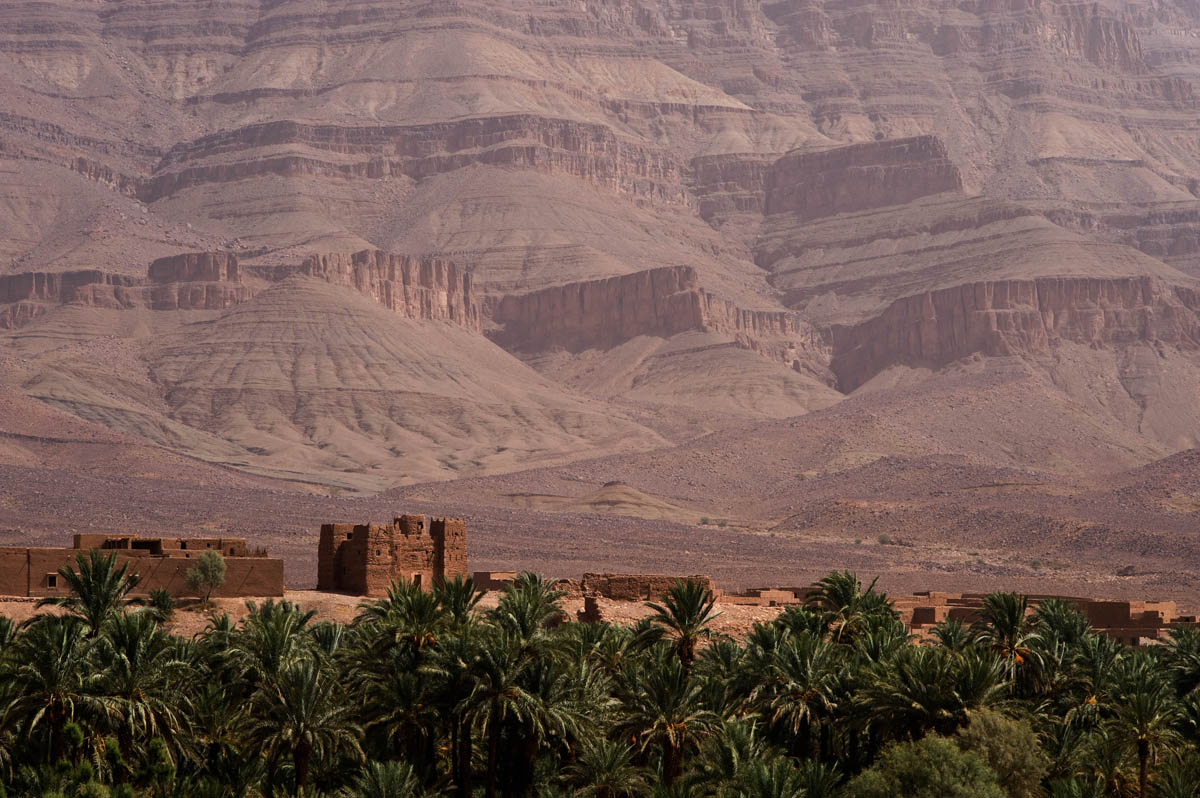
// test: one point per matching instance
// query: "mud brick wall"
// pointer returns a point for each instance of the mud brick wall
(28, 572)
(635, 587)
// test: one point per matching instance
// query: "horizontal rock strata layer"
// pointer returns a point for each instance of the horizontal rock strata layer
(662, 302)
(933, 329)
(871, 175)
(416, 288)
(1015, 317)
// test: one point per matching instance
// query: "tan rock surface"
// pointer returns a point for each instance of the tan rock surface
(818, 270)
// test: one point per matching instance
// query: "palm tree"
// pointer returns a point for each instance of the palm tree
(1092, 680)
(299, 717)
(930, 689)
(1147, 712)
(528, 607)
(796, 689)
(663, 709)
(953, 635)
(605, 769)
(99, 589)
(142, 681)
(725, 752)
(845, 604)
(773, 778)
(52, 676)
(273, 636)
(1183, 647)
(220, 723)
(400, 705)
(386, 780)
(498, 696)
(1003, 624)
(685, 614)
(458, 597)
(407, 615)
(450, 669)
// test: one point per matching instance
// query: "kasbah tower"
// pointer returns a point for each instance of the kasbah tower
(365, 559)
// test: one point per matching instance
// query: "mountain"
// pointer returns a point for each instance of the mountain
(792, 264)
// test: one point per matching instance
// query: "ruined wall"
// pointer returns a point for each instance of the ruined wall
(860, 176)
(416, 288)
(634, 587)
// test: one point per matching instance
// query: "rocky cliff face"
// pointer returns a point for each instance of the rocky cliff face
(196, 281)
(870, 175)
(1015, 317)
(212, 267)
(416, 288)
(659, 302)
(193, 281)
(588, 151)
(25, 297)
(601, 313)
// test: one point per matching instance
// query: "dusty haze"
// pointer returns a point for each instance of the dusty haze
(734, 286)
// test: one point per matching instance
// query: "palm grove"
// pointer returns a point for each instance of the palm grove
(425, 693)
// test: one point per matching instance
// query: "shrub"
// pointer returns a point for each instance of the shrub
(885, 540)
(162, 604)
(207, 574)
(1010, 748)
(932, 767)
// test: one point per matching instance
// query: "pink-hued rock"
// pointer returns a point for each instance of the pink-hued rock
(62, 287)
(662, 302)
(417, 288)
(196, 267)
(860, 176)
(196, 281)
(192, 281)
(1014, 317)
(589, 151)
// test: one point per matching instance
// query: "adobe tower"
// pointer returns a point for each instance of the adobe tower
(366, 558)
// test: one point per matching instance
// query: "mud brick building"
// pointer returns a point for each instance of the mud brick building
(366, 559)
(158, 562)
(1130, 622)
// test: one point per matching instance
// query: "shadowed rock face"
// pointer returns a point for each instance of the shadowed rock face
(1016, 317)
(416, 288)
(659, 302)
(196, 266)
(812, 185)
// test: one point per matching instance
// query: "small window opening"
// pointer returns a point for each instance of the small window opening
(51, 580)
(183, 544)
